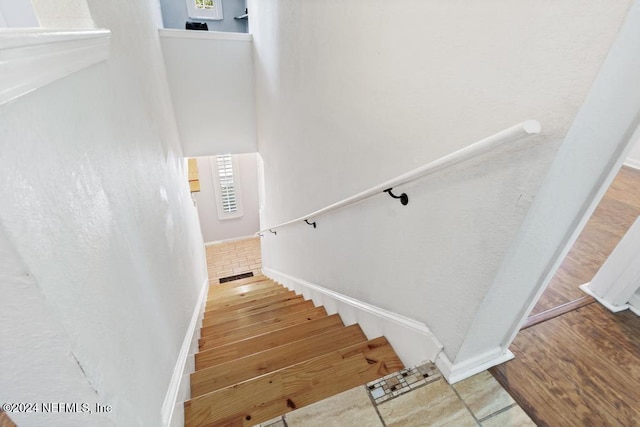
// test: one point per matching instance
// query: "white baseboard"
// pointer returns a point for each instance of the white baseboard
(412, 341)
(178, 390)
(608, 305)
(632, 163)
(454, 372)
(634, 303)
(235, 239)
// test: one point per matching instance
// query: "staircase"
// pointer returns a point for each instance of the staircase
(265, 351)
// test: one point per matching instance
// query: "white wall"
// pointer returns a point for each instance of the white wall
(599, 140)
(63, 13)
(101, 244)
(16, 14)
(214, 229)
(36, 354)
(633, 159)
(211, 80)
(347, 100)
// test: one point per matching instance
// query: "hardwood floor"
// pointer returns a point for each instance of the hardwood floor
(577, 364)
(579, 369)
(5, 421)
(557, 311)
(612, 218)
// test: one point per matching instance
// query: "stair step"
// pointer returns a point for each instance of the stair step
(276, 393)
(259, 317)
(213, 317)
(249, 287)
(213, 302)
(239, 282)
(254, 365)
(254, 302)
(253, 289)
(236, 350)
(213, 340)
(221, 330)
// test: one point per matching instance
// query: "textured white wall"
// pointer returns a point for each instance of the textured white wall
(96, 210)
(63, 13)
(211, 80)
(351, 98)
(36, 355)
(214, 229)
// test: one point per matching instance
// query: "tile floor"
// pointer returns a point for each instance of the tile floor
(410, 398)
(231, 258)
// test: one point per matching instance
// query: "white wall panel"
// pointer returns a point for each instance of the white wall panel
(211, 80)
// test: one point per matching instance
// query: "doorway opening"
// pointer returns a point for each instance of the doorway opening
(613, 217)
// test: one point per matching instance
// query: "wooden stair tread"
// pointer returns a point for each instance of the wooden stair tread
(229, 292)
(265, 351)
(271, 289)
(214, 317)
(260, 317)
(251, 297)
(213, 332)
(276, 393)
(242, 297)
(214, 340)
(255, 302)
(218, 331)
(256, 278)
(254, 344)
(235, 371)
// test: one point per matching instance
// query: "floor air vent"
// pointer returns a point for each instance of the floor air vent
(236, 277)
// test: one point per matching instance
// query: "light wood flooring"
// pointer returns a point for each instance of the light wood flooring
(582, 368)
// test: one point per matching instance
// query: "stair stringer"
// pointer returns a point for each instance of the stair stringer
(413, 342)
